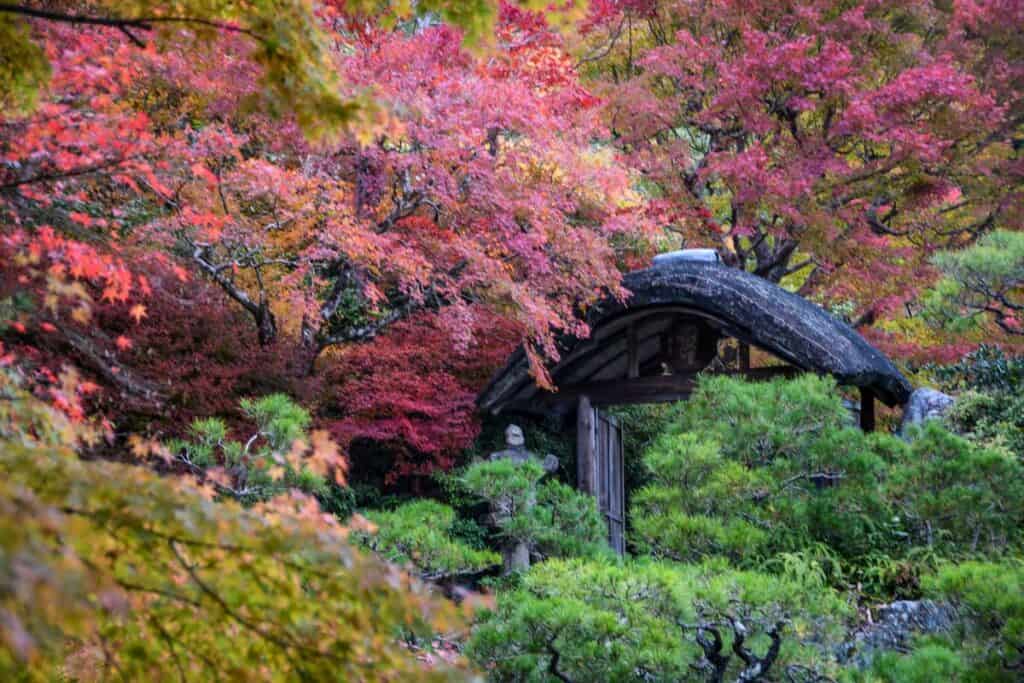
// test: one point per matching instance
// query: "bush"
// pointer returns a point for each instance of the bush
(108, 571)
(757, 423)
(420, 533)
(752, 470)
(955, 495)
(986, 369)
(554, 519)
(266, 463)
(510, 487)
(990, 407)
(568, 524)
(588, 621)
(990, 419)
(991, 597)
(929, 662)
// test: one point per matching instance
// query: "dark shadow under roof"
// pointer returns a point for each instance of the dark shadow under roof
(739, 304)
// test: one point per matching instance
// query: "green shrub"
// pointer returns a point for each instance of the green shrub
(990, 407)
(759, 422)
(991, 597)
(280, 419)
(747, 471)
(593, 621)
(990, 419)
(511, 486)
(686, 511)
(986, 369)
(265, 463)
(927, 663)
(554, 519)
(420, 533)
(752, 469)
(956, 495)
(567, 523)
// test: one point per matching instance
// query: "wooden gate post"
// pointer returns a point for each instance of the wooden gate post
(867, 410)
(586, 447)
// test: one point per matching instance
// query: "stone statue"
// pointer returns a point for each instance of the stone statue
(517, 453)
(516, 553)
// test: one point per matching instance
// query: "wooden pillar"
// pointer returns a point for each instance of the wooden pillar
(867, 410)
(707, 344)
(633, 371)
(586, 447)
(744, 356)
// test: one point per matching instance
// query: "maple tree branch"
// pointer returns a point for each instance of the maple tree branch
(266, 323)
(214, 271)
(124, 24)
(101, 362)
(286, 643)
(46, 177)
(370, 330)
(401, 308)
(171, 642)
(879, 227)
(132, 37)
(1001, 319)
(603, 52)
(800, 266)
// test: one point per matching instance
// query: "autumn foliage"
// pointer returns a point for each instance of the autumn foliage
(153, 194)
(186, 226)
(249, 250)
(833, 146)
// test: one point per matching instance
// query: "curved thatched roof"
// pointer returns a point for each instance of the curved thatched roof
(736, 303)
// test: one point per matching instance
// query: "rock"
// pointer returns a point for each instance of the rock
(925, 404)
(894, 627)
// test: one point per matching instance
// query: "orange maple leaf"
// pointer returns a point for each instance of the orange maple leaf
(137, 312)
(88, 387)
(203, 172)
(123, 343)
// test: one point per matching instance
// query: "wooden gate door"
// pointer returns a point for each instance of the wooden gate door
(600, 468)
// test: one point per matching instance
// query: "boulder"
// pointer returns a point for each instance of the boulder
(925, 404)
(893, 629)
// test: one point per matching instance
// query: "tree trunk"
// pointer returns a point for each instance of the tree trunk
(772, 260)
(266, 325)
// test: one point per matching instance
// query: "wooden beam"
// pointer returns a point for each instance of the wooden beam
(867, 410)
(586, 447)
(655, 389)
